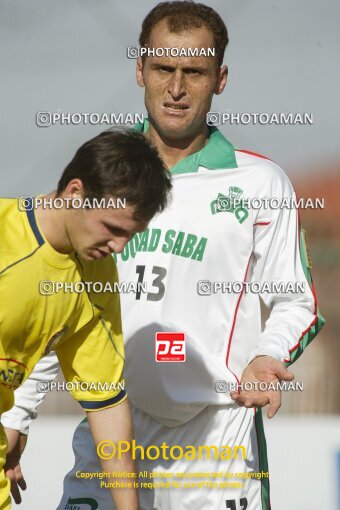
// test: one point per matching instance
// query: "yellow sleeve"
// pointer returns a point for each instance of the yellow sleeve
(92, 361)
(12, 375)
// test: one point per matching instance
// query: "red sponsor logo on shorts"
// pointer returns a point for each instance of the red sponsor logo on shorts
(170, 346)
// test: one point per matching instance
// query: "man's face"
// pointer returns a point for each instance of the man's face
(179, 90)
(96, 233)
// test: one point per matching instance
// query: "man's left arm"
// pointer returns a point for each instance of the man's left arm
(92, 362)
(280, 258)
(113, 426)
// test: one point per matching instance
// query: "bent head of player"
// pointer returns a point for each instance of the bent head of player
(114, 165)
(179, 90)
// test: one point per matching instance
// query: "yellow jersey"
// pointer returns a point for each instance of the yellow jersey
(84, 328)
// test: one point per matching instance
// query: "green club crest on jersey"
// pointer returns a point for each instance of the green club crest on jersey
(231, 203)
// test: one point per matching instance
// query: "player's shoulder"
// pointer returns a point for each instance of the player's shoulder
(16, 242)
(7, 206)
(247, 158)
(263, 170)
(11, 213)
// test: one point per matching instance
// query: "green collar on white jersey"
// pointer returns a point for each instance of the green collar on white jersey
(217, 154)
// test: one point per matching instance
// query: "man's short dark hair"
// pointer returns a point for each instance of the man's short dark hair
(124, 165)
(186, 15)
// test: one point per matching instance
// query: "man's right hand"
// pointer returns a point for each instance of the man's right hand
(16, 445)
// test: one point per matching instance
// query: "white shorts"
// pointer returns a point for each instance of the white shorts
(237, 483)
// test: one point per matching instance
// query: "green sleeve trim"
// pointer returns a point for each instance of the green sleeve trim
(314, 329)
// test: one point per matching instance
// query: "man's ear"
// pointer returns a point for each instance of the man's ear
(139, 72)
(222, 80)
(75, 187)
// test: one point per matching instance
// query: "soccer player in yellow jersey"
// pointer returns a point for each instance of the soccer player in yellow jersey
(44, 248)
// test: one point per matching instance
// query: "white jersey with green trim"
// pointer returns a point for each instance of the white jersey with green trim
(188, 269)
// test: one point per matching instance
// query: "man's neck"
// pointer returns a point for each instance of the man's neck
(173, 151)
(52, 226)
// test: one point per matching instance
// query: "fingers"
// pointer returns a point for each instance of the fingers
(266, 368)
(282, 373)
(259, 399)
(251, 398)
(20, 477)
(17, 480)
(275, 404)
(14, 486)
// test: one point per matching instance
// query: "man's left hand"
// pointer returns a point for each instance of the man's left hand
(262, 369)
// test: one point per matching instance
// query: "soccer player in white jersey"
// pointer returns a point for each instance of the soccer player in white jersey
(207, 235)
